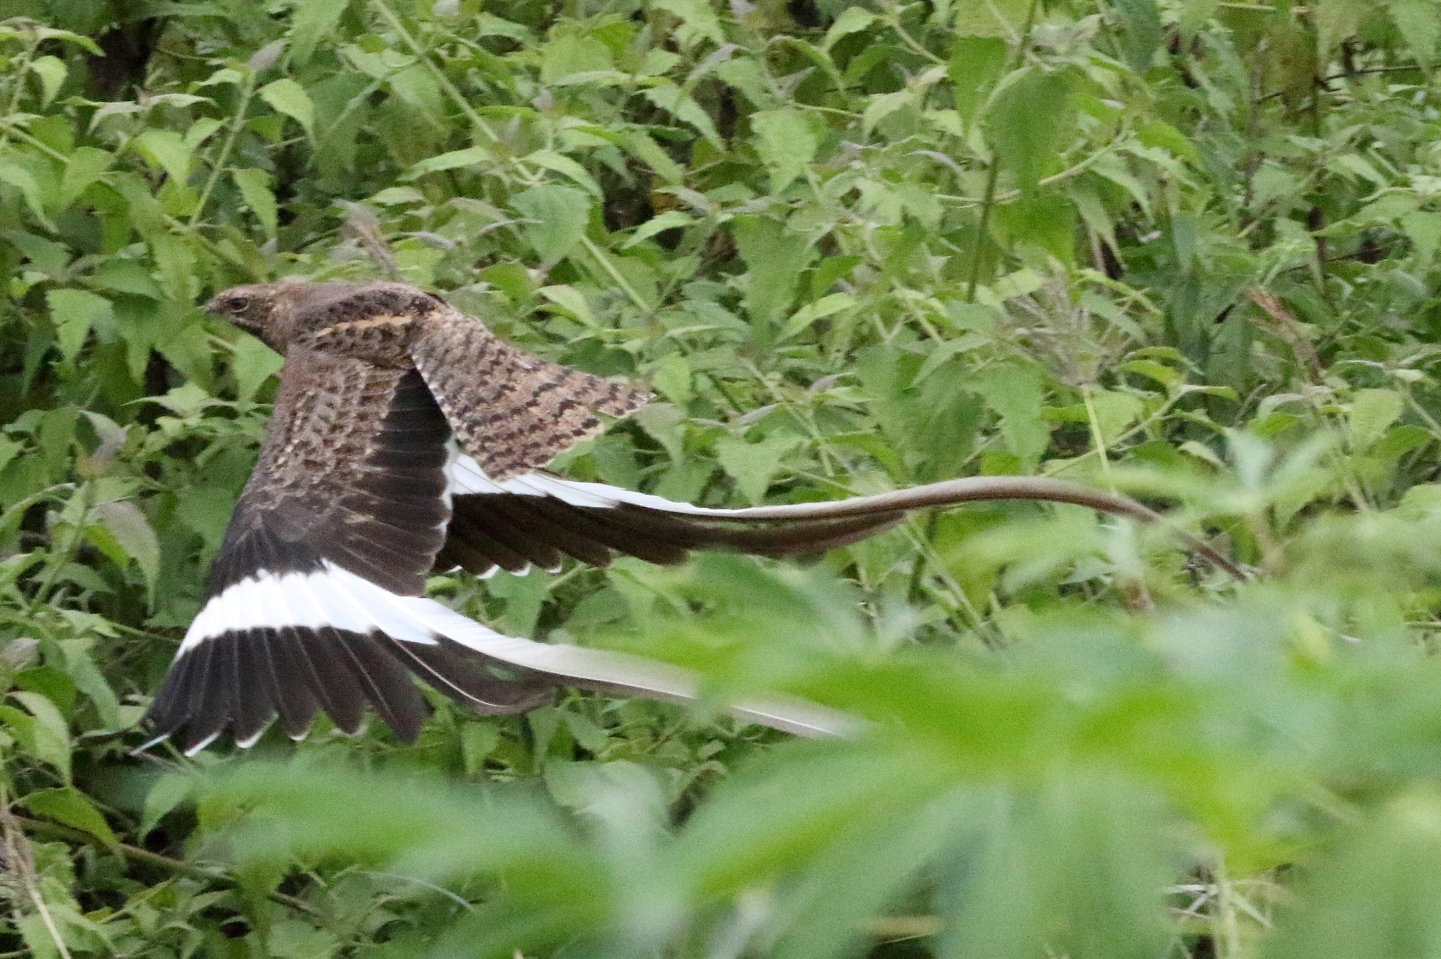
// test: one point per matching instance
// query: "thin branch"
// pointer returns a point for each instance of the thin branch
(989, 201)
(176, 866)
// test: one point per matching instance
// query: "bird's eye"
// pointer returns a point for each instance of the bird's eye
(237, 304)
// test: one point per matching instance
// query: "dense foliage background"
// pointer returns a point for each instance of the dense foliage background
(1184, 249)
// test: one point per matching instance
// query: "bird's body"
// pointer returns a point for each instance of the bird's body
(407, 438)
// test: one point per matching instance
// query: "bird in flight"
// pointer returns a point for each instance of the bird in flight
(406, 438)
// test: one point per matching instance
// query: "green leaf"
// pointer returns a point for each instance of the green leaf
(70, 807)
(1015, 392)
(648, 151)
(455, 159)
(558, 216)
(564, 165)
(669, 220)
(288, 97)
(1419, 22)
(1373, 896)
(134, 534)
(254, 363)
(698, 21)
(312, 22)
(1115, 412)
(808, 314)
(86, 166)
(166, 150)
(774, 257)
(29, 187)
(976, 64)
(852, 20)
(572, 301)
(254, 186)
(570, 54)
(75, 313)
(993, 18)
(786, 142)
(80, 667)
(754, 465)
(1141, 31)
(672, 379)
(1372, 412)
(1026, 121)
(167, 792)
(51, 71)
(43, 733)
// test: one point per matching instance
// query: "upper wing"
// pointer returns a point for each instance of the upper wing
(349, 489)
(533, 518)
(511, 412)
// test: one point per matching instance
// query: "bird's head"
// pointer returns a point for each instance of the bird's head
(249, 307)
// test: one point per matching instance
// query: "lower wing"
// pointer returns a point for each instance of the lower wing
(298, 643)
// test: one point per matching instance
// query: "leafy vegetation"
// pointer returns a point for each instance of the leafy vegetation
(1183, 249)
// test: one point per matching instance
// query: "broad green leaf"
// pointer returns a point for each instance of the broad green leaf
(80, 667)
(1141, 31)
(167, 792)
(69, 806)
(288, 97)
(883, 105)
(557, 217)
(775, 257)
(1115, 412)
(572, 301)
(570, 54)
(1015, 392)
(993, 18)
(786, 143)
(19, 177)
(669, 220)
(75, 313)
(1372, 412)
(1025, 122)
(698, 21)
(43, 731)
(254, 364)
(647, 150)
(852, 20)
(132, 530)
(754, 465)
(51, 71)
(86, 165)
(976, 64)
(1419, 22)
(672, 379)
(808, 314)
(254, 186)
(1370, 898)
(680, 104)
(311, 23)
(167, 150)
(564, 165)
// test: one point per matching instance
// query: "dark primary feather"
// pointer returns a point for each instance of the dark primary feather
(513, 531)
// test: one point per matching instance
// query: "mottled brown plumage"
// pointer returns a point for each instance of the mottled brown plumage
(404, 436)
(511, 411)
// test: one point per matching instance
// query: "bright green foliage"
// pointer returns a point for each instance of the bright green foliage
(1179, 248)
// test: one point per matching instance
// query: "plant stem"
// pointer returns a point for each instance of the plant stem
(423, 56)
(1017, 57)
(218, 167)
